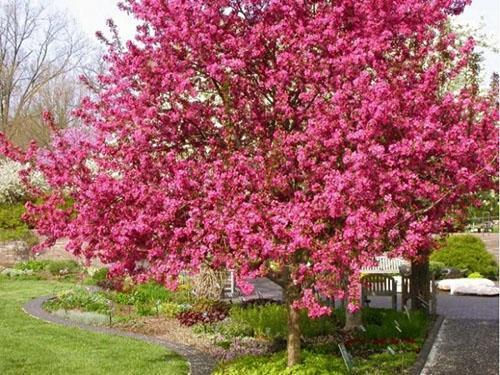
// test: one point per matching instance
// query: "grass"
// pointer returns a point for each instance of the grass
(30, 346)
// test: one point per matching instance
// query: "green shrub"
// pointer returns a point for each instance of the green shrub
(122, 298)
(227, 328)
(33, 265)
(270, 321)
(475, 275)
(388, 323)
(436, 268)
(151, 292)
(96, 276)
(55, 267)
(18, 273)
(59, 267)
(466, 252)
(170, 309)
(12, 228)
(149, 296)
(79, 299)
(10, 216)
(319, 327)
(265, 321)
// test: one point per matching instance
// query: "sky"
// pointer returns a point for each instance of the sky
(91, 15)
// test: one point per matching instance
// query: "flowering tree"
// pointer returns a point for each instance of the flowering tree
(292, 138)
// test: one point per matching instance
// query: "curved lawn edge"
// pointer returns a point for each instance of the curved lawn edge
(199, 363)
(423, 355)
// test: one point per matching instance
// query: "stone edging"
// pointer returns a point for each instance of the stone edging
(199, 363)
(419, 364)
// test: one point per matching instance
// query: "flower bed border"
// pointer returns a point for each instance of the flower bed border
(199, 363)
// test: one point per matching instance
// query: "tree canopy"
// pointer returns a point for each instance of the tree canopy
(299, 138)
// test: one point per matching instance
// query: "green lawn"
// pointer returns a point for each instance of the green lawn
(30, 346)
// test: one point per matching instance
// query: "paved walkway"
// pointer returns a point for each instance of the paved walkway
(464, 346)
(263, 288)
(467, 342)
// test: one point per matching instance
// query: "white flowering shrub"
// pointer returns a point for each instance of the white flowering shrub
(12, 189)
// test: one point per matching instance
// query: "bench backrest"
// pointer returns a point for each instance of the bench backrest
(378, 284)
(386, 265)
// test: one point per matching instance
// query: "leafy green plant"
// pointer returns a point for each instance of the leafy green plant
(265, 321)
(149, 296)
(18, 273)
(86, 317)
(387, 323)
(317, 364)
(96, 276)
(270, 321)
(436, 268)
(475, 275)
(228, 329)
(10, 216)
(170, 309)
(79, 299)
(12, 228)
(466, 252)
(122, 298)
(59, 267)
(151, 292)
(33, 265)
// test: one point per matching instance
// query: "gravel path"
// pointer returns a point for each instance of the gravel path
(200, 363)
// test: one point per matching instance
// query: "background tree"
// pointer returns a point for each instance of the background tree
(297, 139)
(40, 52)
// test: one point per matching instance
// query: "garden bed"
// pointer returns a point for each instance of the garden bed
(244, 337)
(248, 337)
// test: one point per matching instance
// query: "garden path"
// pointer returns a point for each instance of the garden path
(467, 342)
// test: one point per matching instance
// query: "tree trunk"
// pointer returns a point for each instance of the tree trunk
(352, 320)
(420, 285)
(293, 342)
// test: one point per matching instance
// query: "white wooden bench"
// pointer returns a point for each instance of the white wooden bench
(230, 289)
(377, 280)
(378, 284)
(386, 265)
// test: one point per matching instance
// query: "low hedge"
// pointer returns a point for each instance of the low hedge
(12, 228)
(55, 267)
(468, 253)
